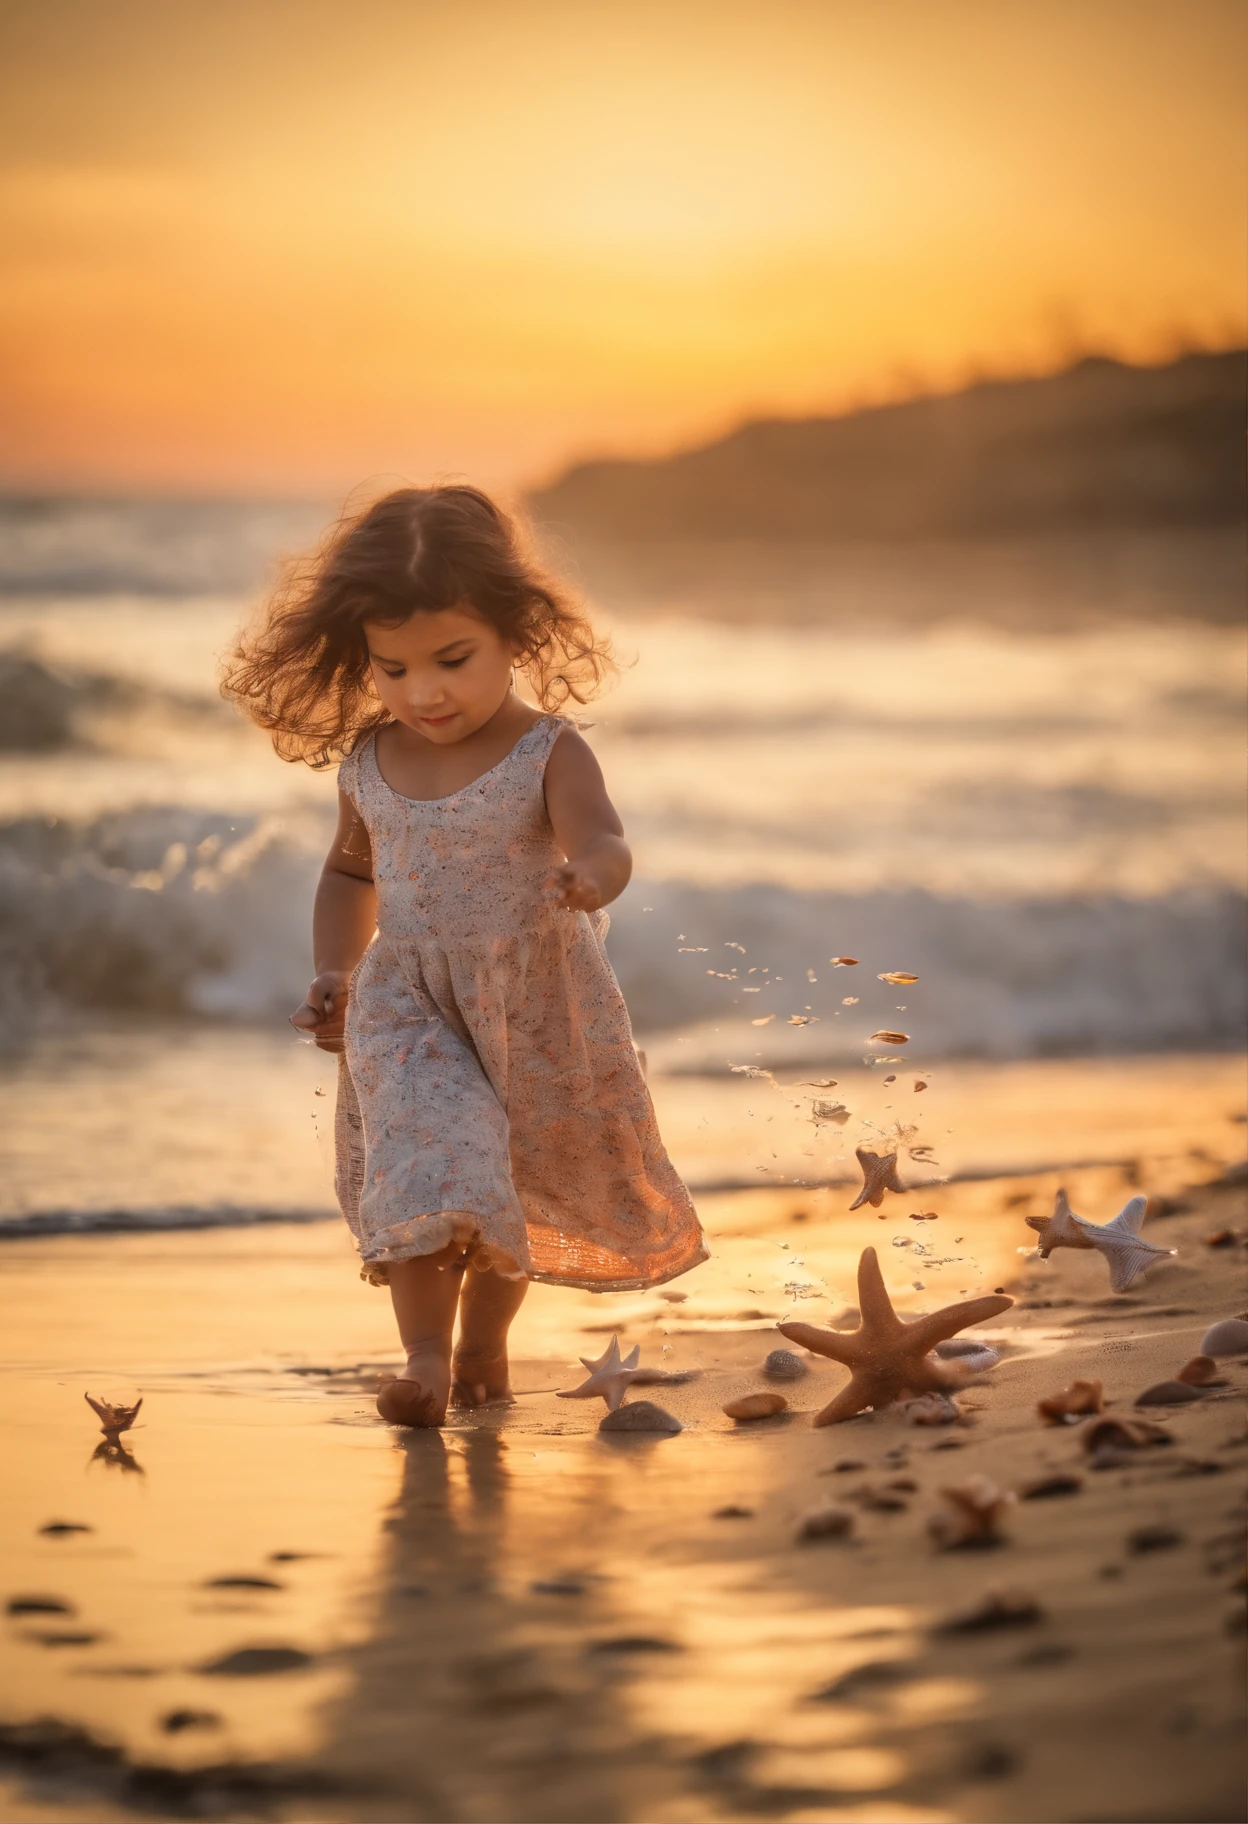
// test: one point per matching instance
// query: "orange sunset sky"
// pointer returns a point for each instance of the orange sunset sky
(283, 246)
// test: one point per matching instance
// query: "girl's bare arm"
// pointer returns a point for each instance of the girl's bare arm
(587, 827)
(344, 918)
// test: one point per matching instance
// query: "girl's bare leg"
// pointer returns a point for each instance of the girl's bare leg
(425, 1293)
(486, 1307)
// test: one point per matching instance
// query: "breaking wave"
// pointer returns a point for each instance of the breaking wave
(184, 913)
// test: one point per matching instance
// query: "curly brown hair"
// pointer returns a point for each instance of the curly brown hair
(302, 671)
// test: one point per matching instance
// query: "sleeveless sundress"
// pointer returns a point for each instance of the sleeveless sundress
(489, 1091)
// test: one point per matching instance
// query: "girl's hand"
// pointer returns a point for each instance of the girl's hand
(575, 886)
(324, 1010)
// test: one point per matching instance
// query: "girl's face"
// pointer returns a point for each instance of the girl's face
(442, 674)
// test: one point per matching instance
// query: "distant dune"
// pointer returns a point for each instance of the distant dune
(1102, 446)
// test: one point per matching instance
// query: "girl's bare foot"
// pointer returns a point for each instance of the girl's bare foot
(479, 1379)
(418, 1396)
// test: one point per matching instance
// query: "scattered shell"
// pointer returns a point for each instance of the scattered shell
(933, 1409)
(919, 1088)
(889, 1080)
(756, 1406)
(1073, 1402)
(843, 962)
(1230, 1337)
(784, 1365)
(1109, 1442)
(1168, 1393)
(802, 1019)
(998, 1609)
(821, 1112)
(898, 977)
(1043, 1488)
(889, 1038)
(642, 1415)
(765, 1021)
(973, 1515)
(1201, 1371)
(826, 1523)
(926, 1216)
(969, 1352)
(819, 1083)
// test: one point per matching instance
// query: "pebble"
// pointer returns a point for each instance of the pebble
(1153, 1539)
(756, 1406)
(784, 1365)
(255, 1662)
(1230, 1337)
(826, 1523)
(1169, 1393)
(641, 1415)
(998, 1609)
(1201, 1371)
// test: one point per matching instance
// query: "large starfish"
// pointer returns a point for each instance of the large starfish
(610, 1377)
(1121, 1243)
(1057, 1230)
(888, 1359)
(879, 1171)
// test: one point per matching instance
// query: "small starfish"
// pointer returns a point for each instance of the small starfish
(888, 1359)
(113, 1419)
(610, 1377)
(1057, 1230)
(879, 1171)
(1122, 1245)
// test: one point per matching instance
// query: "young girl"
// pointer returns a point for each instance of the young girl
(492, 1112)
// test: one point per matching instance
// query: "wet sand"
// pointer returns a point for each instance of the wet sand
(520, 1618)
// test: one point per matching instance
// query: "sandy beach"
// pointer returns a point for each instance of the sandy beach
(277, 1605)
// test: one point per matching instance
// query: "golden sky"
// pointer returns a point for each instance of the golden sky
(290, 246)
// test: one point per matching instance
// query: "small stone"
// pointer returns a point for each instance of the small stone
(1044, 1488)
(1201, 1371)
(175, 1721)
(1153, 1539)
(997, 1610)
(257, 1662)
(784, 1365)
(1230, 1337)
(1169, 1393)
(756, 1406)
(826, 1523)
(642, 1415)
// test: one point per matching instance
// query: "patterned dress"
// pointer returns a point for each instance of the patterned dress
(489, 1091)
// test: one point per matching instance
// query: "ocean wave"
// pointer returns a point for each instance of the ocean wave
(185, 913)
(158, 1218)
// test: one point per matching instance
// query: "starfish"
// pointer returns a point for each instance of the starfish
(879, 1171)
(888, 1359)
(610, 1377)
(1058, 1230)
(113, 1419)
(1121, 1243)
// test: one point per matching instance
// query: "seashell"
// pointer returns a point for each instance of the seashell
(879, 1173)
(972, 1517)
(802, 1019)
(919, 1088)
(826, 1523)
(765, 1021)
(1109, 1442)
(784, 1365)
(756, 1406)
(889, 1080)
(843, 962)
(998, 1609)
(889, 1038)
(1221, 1238)
(819, 1083)
(1169, 1393)
(927, 1216)
(933, 1409)
(642, 1415)
(1043, 1488)
(970, 1351)
(887, 1359)
(1201, 1371)
(113, 1419)
(1230, 1337)
(898, 977)
(1073, 1402)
